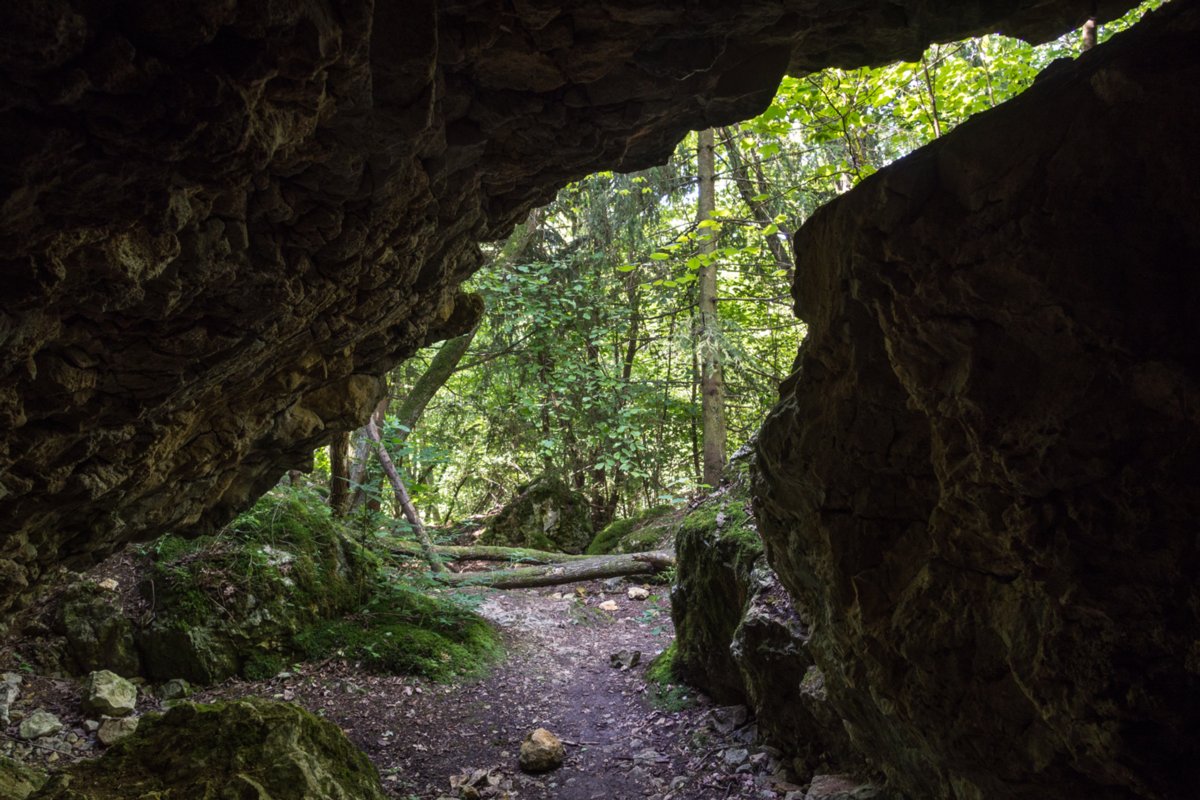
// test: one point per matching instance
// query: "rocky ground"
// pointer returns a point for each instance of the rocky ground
(624, 738)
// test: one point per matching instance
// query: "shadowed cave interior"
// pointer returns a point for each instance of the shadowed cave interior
(223, 223)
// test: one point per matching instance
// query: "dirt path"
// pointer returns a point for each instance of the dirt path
(558, 676)
(624, 740)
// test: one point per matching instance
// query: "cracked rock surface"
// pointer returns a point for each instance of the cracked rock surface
(221, 222)
(980, 481)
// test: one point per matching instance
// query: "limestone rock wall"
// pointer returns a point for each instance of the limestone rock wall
(981, 479)
(221, 222)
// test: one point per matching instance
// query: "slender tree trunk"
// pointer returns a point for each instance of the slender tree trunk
(712, 380)
(362, 449)
(410, 513)
(749, 192)
(480, 552)
(1089, 34)
(444, 362)
(339, 474)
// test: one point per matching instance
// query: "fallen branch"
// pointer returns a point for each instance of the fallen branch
(479, 552)
(584, 569)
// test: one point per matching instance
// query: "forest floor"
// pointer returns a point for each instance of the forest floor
(625, 737)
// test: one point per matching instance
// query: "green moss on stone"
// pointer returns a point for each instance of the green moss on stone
(662, 669)
(18, 781)
(717, 547)
(402, 631)
(639, 533)
(245, 749)
(546, 515)
(225, 603)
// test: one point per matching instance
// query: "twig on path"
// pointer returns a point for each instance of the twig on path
(580, 743)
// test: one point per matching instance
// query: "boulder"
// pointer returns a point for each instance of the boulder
(717, 548)
(782, 683)
(247, 748)
(546, 515)
(114, 729)
(541, 751)
(38, 724)
(109, 694)
(98, 635)
(981, 479)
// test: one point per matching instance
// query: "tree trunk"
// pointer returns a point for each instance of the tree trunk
(586, 569)
(339, 474)
(444, 362)
(712, 380)
(758, 208)
(410, 513)
(1089, 35)
(362, 448)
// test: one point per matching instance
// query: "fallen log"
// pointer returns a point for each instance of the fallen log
(585, 569)
(480, 552)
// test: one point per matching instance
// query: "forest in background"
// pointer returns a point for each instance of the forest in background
(593, 355)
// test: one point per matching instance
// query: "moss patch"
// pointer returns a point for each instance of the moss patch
(636, 534)
(249, 748)
(406, 632)
(232, 603)
(18, 781)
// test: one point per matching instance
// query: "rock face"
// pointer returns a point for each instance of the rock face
(716, 548)
(223, 221)
(249, 748)
(547, 515)
(981, 478)
(739, 637)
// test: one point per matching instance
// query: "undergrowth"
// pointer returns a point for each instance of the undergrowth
(667, 691)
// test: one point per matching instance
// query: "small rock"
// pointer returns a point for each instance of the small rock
(91, 725)
(625, 659)
(734, 756)
(109, 583)
(637, 593)
(175, 689)
(541, 751)
(10, 689)
(109, 694)
(608, 605)
(726, 718)
(114, 729)
(612, 585)
(838, 787)
(38, 724)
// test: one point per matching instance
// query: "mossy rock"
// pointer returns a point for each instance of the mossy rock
(546, 515)
(649, 530)
(18, 781)
(717, 548)
(230, 604)
(403, 631)
(98, 635)
(244, 749)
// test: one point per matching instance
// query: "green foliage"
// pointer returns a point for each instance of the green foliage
(667, 690)
(584, 364)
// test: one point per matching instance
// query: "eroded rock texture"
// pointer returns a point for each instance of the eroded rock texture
(221, 222)
(981, 480)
